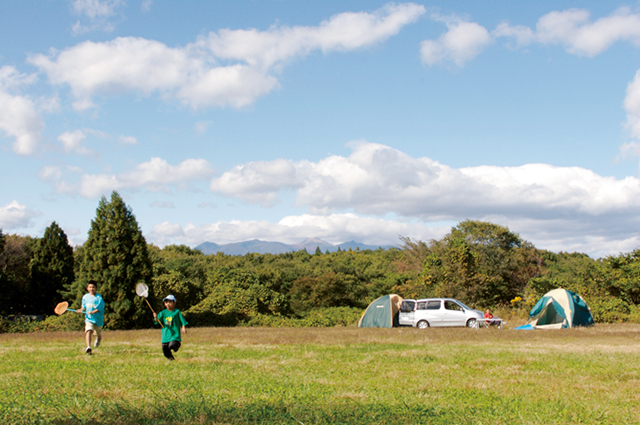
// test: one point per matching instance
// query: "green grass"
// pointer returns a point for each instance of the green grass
(325, 375)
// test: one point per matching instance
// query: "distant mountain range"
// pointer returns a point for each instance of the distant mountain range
(263, 247)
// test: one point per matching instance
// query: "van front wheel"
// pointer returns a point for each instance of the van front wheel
(471, 323)
(423, 324)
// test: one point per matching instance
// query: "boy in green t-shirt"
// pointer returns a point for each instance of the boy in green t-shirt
(172, 323)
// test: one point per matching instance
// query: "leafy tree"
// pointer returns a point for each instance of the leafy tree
(561, 270)
(51, 267)
(4, 279)
(235, 296)
(480, 233)
(327, 290)
(611, 286)
(623, 277)
(116, 256)
(183, 249)
(480, 263)
(15, 279)
(178, 270)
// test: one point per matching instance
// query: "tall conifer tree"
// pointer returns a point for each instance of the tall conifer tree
(51, 268)
(116, 256)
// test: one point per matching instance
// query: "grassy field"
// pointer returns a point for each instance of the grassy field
(326, 375)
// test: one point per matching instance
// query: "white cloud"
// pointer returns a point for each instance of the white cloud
(121, 65)
(97, 12)
(73, 142)
(19, 116)
(10, 78)
(462, 42)
(523, 35)
(127, 140)
(342, 32)
(237, 86)
(378, 180)
(16, 216)
(193, 74)
(50, 173)
(97, 8)
(260, 181)
(572, 29)
(155, 175)
(168, 229)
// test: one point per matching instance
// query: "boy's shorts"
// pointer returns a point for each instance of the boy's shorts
(97, 330)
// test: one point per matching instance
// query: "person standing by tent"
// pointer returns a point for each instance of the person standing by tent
(93, 308)
(173, 322)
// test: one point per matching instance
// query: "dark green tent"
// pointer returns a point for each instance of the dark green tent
(381, 313)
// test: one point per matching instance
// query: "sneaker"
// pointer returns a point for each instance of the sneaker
(88, 350)
(97, 343)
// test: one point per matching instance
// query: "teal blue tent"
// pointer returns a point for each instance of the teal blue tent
(381, 313)
(559, 309)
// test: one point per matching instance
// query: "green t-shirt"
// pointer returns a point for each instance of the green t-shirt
(171, 323)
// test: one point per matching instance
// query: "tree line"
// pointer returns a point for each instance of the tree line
(482, 264)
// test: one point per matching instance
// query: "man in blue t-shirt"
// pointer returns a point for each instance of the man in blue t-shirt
(93, 308)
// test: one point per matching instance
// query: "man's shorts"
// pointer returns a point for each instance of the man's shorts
(97, 330)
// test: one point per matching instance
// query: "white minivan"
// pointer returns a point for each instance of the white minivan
(427, 312)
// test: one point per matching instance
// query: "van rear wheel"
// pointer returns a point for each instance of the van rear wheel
(423, 324)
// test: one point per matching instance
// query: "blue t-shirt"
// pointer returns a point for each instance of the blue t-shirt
(90, 303)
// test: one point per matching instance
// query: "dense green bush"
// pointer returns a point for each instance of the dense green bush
(234, 296)
(609, 310)
(321, 317)
(66, 322)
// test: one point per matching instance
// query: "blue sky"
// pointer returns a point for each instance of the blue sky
(283, 120)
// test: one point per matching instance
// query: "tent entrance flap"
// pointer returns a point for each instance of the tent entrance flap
(551, 314)
(381, 313)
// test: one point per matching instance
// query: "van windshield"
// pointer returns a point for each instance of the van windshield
(464, 305)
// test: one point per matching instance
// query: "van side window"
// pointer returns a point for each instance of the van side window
(433, 305)
(422, 305)
(450, 305)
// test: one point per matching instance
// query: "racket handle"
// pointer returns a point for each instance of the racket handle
(153, 311)
(149, 305)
